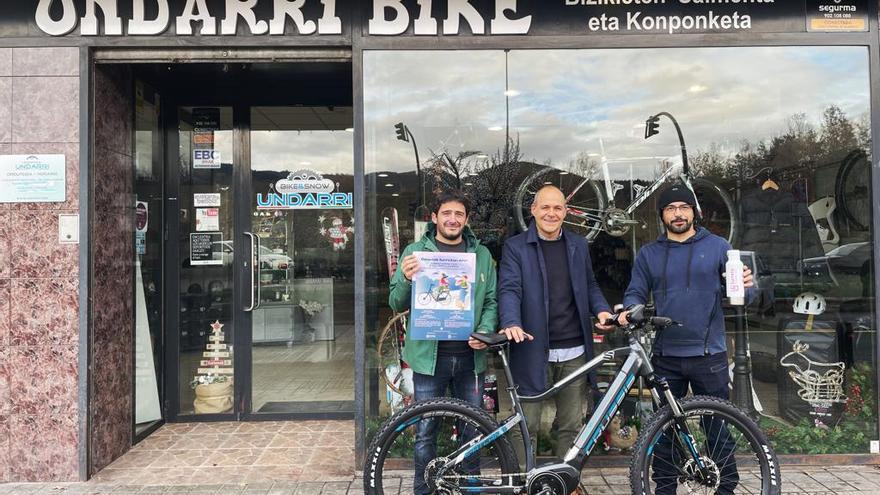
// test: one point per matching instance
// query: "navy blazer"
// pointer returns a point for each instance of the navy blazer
(523, 300)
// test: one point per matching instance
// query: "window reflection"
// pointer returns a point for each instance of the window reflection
(780, 134)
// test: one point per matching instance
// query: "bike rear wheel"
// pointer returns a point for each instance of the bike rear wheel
(853, 190)
(389, 350)
(732, 447)
(719, 215)
(390, 456)
(585, 200)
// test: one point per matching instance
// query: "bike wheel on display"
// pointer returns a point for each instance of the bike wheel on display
(735, 453)
(586, 203)
(389, 350)
(719, 214)
(390, 460)
(853, 190)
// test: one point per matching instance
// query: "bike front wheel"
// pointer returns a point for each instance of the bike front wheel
(586, 203)
(734, 453)
(391, 461)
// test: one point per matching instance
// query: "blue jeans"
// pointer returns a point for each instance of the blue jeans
(706, 375)
(455, 373)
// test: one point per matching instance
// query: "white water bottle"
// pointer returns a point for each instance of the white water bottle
(736, 290)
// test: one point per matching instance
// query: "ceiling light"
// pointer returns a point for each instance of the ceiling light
(389, 185)
(395, 194)
(349, 129)
(563, 172)
(468, 183)
(382, 174)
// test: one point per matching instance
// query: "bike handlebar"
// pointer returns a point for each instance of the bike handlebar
(638, 319)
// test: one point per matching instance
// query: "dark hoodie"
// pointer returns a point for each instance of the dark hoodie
(685, 280)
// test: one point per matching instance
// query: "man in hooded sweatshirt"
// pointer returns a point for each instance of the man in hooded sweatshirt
(454, 365)
(683, 270)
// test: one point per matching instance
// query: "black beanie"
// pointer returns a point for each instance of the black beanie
(676, 192)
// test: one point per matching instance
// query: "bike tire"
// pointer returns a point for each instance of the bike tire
(852, 188)
(589, 197)
(381, 450)
(389, 349)
(719, 214)
(751, 445)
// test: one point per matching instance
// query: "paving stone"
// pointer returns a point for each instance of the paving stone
(309, 488)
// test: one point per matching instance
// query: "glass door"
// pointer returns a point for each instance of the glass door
(207, 322)
(264, 231)
(301, 175)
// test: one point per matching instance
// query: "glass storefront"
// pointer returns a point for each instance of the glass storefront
(778, 143)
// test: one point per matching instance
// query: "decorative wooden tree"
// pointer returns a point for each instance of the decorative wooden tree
(213, 383)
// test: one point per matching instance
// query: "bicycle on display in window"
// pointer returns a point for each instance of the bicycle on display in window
(699, 444)
(592, 207)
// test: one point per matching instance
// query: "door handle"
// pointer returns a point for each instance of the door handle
(254, 282)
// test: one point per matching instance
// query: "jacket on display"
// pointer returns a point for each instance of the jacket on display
(421, 355)
(779, 229)
(524, 301)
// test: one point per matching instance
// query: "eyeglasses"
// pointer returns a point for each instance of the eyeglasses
(682, 208)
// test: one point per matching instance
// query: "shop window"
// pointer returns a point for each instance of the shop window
(778, 144)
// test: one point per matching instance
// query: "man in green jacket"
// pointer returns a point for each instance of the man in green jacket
(441, 365)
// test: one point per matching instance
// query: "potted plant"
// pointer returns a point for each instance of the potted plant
(310, 309)
(213, 394)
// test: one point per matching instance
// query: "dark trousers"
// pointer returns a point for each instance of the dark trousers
(455, 373)
(705, 375)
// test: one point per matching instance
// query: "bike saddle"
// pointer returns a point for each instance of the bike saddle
(491, 339)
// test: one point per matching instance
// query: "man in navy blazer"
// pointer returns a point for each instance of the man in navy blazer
(547, 293)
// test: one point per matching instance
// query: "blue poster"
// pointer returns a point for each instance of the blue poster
(443, 297)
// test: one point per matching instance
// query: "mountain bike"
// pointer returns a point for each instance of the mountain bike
(592, 207)
(701, 444)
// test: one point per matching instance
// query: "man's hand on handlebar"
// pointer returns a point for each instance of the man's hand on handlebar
(516, 334)
(603, 323)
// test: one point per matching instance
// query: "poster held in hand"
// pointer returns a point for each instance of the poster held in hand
(442, 296)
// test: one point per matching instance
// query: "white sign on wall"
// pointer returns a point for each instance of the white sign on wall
(32, 179)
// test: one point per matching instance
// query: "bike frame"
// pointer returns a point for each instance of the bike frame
(643, 194)
(637, 364)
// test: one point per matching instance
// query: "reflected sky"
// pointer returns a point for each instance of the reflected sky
(562, 102)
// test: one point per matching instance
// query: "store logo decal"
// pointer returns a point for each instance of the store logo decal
(304, 189)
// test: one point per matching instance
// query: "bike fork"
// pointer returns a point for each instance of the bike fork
(686, 445)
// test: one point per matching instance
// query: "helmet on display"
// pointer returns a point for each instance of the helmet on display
(809, 303)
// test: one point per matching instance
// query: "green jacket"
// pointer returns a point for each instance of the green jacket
(421, 355)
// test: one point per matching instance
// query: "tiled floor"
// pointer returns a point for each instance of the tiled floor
(238, 453)
(797, 480)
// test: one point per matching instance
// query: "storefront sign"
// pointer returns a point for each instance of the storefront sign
(304, 190)
(206, 158)
(32, 179)
(425, 17)
(141, 221)
(837, 15)
(201, 200)
(205, 249)
(207, 219)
